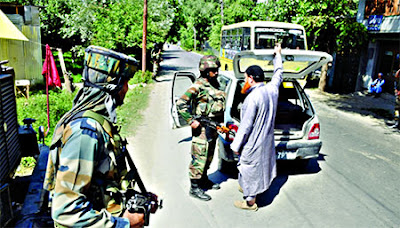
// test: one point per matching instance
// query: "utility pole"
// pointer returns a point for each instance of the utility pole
(222, 11)
(194, 31)
(144, 37)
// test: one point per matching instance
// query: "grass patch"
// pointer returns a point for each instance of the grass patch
(129, 115)
(26, 166)
(36, 108)
(139, 77)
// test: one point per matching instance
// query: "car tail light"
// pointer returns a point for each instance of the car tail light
(314, 132)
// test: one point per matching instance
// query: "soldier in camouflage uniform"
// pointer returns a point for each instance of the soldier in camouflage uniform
(85, 171)
(203, 98)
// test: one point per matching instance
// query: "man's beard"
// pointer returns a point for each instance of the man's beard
(245, 88)
(213, 81)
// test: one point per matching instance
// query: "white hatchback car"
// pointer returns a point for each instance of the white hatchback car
(297, 128)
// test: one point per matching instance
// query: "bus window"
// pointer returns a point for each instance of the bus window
(265, 38)
(228, 41)
(235, 39)
(246, 39)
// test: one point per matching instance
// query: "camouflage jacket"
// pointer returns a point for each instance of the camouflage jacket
(84, 167)
(201, 99)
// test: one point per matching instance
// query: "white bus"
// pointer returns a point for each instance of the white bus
(253, 35)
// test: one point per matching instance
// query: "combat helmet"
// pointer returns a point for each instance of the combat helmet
(209, 62)
(106, 69)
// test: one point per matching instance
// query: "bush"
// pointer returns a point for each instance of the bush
(139, 78)
(36, 107)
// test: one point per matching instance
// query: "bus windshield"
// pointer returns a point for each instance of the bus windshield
(265, 38)
(258, 35)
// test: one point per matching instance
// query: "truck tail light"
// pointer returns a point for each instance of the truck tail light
(314, 132)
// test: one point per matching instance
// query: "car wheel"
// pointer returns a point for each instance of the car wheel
(227, 167)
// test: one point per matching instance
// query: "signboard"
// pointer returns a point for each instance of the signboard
(374, 22)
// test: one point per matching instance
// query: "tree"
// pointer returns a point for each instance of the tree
(190, 15)
(327, 23)
(114, 24)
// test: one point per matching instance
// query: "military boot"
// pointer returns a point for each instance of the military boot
(197, 192)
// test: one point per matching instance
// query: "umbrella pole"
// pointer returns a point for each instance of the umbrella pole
(47, 93)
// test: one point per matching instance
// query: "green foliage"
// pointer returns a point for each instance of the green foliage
(238, 10)
(61, 101)
(76, 78)
(330, 25)
(28, 162)
(36, 107)
(73, 25)
(215, 37)
(73, 65)
(139, 78)
(26, 166)
(194, 15)
(116, 26)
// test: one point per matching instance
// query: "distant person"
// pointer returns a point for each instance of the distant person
(375, 88)
(203, 98)
(156, 58)
(397, 95)
(254, 141)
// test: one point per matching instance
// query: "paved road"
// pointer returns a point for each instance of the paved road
(354, 183)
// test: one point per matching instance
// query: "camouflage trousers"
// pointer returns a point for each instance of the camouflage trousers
(202, 152)
(397, 109)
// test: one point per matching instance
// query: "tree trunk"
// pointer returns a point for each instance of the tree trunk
(144, 49)
(323, 78)
(69, 87)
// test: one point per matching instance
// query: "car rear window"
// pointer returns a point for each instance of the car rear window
(288, 98)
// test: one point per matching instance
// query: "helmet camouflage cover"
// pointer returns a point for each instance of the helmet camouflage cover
(104, 65)
(209, 62)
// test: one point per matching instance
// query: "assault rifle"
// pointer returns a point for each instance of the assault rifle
(139, 202)
(209, 123)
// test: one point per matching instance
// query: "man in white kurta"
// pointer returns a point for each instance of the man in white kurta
(254, 140)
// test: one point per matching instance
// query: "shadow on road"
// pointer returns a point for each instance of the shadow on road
(168, 69)
(358, 102)
(266, 198)
(284, 170)
(188, 139)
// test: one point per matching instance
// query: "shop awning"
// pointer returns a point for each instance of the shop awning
(8, 29)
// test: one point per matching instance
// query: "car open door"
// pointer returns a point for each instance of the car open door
(297, 64)
(181, 82)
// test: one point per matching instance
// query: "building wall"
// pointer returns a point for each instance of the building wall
(25, 56)
(382, 19)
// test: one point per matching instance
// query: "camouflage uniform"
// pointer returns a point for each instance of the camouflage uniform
(202, 99)
(85, 181)
(86, 167)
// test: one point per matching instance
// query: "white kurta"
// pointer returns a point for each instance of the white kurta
(255, 136)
